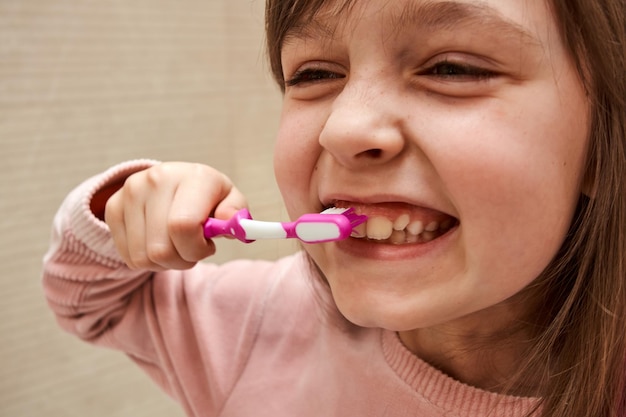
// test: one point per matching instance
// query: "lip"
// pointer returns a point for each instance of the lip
(375, 204)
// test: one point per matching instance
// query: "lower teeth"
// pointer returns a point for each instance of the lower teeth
(400, 237)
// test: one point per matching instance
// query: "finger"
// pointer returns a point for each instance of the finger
(194, 201)
(160, 248)
(232, 202)
(114, 218)
(222, 196)
(133, 209)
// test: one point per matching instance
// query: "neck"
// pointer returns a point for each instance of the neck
(487, 350)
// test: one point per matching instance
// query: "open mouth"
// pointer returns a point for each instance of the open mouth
(398, 223)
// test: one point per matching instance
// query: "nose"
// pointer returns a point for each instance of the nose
(364, 126)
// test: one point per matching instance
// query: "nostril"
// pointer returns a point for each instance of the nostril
(373, 153)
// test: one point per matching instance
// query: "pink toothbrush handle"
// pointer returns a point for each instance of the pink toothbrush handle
(330, 225)
(232, 227)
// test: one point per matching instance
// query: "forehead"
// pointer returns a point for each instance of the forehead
(518, 18)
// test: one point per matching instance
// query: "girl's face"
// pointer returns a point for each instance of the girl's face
(463, 124)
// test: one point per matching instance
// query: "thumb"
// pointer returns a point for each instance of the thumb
(230, 204)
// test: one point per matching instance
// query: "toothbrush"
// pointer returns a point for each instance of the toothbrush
(329, 225)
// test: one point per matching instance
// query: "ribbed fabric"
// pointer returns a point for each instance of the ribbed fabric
(244, 338)
(445, 392)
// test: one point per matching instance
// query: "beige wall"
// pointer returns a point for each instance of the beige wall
(86, 84)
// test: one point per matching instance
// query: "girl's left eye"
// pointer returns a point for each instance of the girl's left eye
(311, 75)
(457, 71)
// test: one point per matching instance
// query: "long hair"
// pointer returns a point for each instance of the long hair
(580, 324)
(584, 338)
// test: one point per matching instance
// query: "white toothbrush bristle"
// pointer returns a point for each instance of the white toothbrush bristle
(334, 210)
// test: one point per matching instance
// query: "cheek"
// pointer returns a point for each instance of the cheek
(519, 152)
(515, 179)
(295, 157)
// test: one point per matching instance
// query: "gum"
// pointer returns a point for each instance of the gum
(393, 211)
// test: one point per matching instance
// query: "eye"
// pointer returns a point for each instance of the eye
(455, 71)
(311, 75)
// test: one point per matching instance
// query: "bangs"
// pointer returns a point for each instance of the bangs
(286, 17)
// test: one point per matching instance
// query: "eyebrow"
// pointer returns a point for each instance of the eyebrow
(448, 15)
(430, 16)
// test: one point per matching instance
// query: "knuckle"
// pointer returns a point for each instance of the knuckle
(208, 173)
(159, 253)
(182, 224)
(133, 187)
(202, 169)
(137, 261)
(150, 178)
(157, 174)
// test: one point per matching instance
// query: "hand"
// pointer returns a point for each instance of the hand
(156, 217)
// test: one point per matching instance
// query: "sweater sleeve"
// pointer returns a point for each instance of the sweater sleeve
(191, 331)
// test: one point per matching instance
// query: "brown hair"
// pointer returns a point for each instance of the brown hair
(581, 328)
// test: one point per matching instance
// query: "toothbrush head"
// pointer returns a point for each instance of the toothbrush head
(349, 213)
(330, 225)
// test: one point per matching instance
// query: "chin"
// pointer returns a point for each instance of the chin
(376, 314)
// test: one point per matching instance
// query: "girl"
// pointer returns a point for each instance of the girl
(489, 133)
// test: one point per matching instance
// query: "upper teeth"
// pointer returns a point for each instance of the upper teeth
(401, 222)
(379, 228)
(401, 230)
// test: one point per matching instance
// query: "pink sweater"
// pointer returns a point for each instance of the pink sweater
(248, 338)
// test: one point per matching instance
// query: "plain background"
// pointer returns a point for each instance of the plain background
(85, 84)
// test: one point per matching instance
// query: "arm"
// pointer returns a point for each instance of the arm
(157, 318)
(82, 257)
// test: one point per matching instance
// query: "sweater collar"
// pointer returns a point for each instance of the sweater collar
(447, 393)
